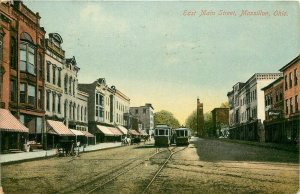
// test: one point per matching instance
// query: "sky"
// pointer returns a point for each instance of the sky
(167, 53)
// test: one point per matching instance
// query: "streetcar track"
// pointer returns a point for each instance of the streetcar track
(161, 168)
(123, 172)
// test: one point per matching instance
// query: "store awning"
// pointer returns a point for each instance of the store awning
(133, 132)
(123, 129)
(77, 133)
(10, 123)
(142, 132)
(87, 134)
(105, 130)
(115, 131)
(58, 128)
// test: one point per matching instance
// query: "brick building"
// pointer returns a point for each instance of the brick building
(200, 119)
(291, 99)
(273, 123)
(220, 120)
(22, 64)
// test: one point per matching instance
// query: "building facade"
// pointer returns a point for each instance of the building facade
(291, 99)
(220, 121)
(106, 109)
(246, 104)
(22, 66)
(274, 109)
(145, 114)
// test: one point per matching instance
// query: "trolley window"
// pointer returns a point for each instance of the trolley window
(161, 132)
(180, 133)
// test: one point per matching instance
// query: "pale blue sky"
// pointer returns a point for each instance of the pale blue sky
(154, 54)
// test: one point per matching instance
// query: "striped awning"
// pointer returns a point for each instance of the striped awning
(115, 131)
(10, 123)
(133, 132)
(105, 130)
(58, 128)
(77, 133)
(142, 132)
(87, 134)
(123, 129)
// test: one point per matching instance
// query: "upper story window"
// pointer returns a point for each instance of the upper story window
(13, 53)
(27, 54)
(40, 66)
(54, 74)
(66, 83)
(48, 72)
(285, 83)
(295, 77)
(291, 79)
(59, 77)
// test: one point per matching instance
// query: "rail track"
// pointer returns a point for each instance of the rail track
(112, 173)
(161, 168)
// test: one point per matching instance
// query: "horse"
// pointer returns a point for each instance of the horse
(126, 141)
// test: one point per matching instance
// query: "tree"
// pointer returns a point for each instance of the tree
(191, 121)
(166, 117)
(224, 105)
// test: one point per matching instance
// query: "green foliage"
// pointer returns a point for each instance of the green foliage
(191, 121)
(224, 105)
(166, 117)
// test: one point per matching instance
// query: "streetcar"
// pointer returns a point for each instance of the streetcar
(162, 135)
(182, 136)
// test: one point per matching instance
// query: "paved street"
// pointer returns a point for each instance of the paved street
(205, 166)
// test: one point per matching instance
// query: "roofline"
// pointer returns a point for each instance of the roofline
(272, 83)
(290, 63)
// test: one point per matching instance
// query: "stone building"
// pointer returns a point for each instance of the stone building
(246, 107)
(220, 121)
(22, 70)
(106, 109)
(64, 103)
(291, 99)
(145, 115)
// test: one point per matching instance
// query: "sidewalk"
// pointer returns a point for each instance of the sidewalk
(6, 158)
(285, 147)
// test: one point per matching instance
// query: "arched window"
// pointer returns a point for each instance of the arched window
(66, 83)
(78, 109)
(74, 111)
(74, 87)
(70, 111)
(70, 86)
(65, 108)
(81, 115)
(27, 54)
(13, 53)
(85, 114)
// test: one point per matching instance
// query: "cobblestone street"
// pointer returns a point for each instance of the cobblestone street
(205, 166)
